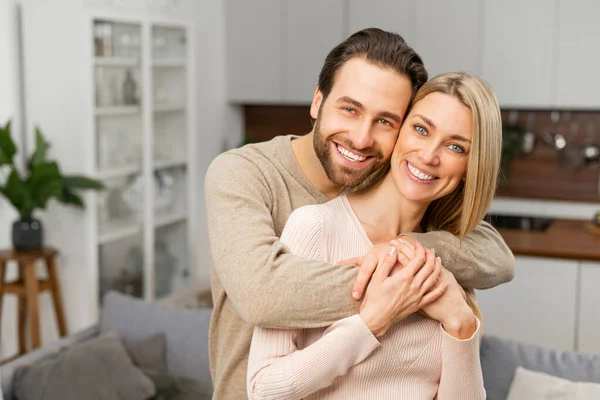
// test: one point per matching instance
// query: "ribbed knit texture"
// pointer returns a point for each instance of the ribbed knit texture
(415, 359)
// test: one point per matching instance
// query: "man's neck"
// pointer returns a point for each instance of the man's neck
(310, 164)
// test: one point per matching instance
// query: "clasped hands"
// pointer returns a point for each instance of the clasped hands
(403, 278)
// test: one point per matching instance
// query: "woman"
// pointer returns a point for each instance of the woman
(442, 176)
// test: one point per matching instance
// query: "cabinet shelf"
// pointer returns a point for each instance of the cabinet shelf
(117, 110)
(169, 62)
(168, 107)
(169, 219)
(116, 61)
(119, 172)
(164, 164)
(118, 232)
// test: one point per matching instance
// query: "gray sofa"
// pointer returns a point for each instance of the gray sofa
(186, 333)
(185, 338)
(501, 357)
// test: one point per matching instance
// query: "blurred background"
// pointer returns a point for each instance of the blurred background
(143, 94)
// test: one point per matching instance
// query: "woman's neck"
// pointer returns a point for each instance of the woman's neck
(385, 213)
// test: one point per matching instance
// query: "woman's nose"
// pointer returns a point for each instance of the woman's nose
(429, 154)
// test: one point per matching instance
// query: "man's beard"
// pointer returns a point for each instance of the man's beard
(339, 174)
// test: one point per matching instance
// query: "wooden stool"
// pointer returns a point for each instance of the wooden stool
(27, 287)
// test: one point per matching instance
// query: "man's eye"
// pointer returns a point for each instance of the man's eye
(350, 110)
(385, 122)
(457, 149)
(420, 130)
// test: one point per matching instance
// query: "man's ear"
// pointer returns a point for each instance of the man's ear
(316, 103)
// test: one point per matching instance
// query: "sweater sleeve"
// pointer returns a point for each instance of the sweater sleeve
(462, 378)
(484, 261)
(266, 284)
(277, 370)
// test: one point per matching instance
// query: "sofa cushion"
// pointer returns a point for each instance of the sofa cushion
(98, 369)
(186, 331)
(501, 357)
(528, 385)
(50, 349)
(148, 353)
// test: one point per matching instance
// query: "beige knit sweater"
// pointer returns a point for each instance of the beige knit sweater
(250, 193)
(416, 359)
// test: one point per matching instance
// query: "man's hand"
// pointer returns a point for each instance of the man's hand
(395, 293)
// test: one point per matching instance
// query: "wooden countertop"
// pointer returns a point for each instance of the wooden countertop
(569, 239)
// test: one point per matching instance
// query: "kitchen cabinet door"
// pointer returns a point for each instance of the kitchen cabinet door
(518, 51)
(589, 315)
(397, 16)
(313, 29)
(537, 307)
(254, 50)
(448, 35)
(578, 58)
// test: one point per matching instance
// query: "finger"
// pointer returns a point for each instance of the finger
(403, 259)
(416, 261)
(407, 248)
(433, 279)
(368, 265)
(434, 294)
(387, 263)
(352, 261)
(426, 270)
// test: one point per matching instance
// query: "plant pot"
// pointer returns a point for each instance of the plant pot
(27, 234)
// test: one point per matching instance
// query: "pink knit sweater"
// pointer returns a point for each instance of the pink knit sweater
(415, 359)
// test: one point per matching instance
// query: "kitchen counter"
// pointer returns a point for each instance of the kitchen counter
(564, 238)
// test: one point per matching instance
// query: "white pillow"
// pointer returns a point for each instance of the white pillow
(532, 385)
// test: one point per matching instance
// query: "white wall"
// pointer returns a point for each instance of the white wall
(219, 125)
(10, 108)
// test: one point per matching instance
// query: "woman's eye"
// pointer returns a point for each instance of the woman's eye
(420, 130)
(457, 149)
(350, 110)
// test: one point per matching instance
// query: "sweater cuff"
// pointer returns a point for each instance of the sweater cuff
(357, 331)
(475, 337)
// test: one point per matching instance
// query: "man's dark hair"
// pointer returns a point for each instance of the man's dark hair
(382, 48)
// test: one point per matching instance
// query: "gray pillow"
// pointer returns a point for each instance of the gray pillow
(148, 353)
(186, 331)
(98, 369)
(501, 357)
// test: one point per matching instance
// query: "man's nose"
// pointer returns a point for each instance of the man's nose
(362, 136)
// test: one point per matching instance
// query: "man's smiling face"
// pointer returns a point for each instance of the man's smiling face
(358, 123)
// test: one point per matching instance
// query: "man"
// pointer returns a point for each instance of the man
(364, 90)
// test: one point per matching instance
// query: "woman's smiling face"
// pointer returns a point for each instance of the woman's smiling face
(431, 154)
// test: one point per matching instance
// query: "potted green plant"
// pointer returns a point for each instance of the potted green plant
(31, 190)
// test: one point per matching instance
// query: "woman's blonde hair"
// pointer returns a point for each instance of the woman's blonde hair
(460, 211)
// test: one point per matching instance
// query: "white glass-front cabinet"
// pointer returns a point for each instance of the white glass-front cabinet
(141, 131)
(113, 93)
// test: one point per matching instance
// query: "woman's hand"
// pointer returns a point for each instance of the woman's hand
(451, 309)
(373, 260)
(395, 293)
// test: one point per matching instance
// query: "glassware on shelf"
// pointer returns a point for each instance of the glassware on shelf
(129, 89)
(165, 267)
(133, 195)
(164, 196)
(103, 41)
(104, 93)
(159, 44)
